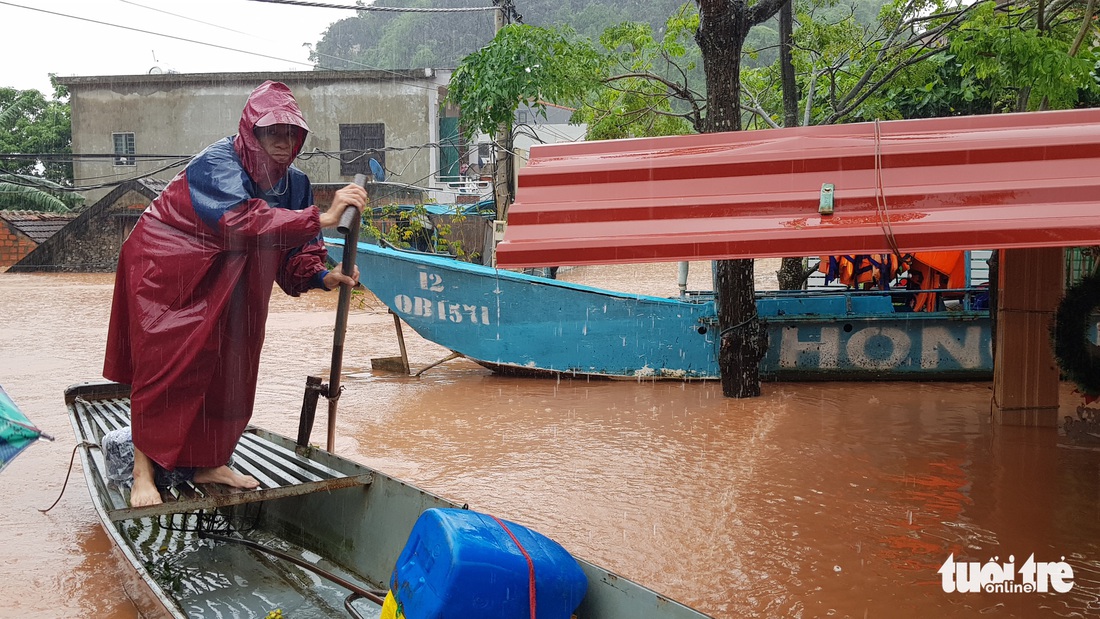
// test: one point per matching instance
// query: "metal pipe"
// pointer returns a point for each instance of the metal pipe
(309, 408)
(682, 277)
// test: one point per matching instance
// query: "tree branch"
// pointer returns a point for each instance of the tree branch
(679, 91)
(864, 86)
(756, 108)
(1086, 22)
(762, 11)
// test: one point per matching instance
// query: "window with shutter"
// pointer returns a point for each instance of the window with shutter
(124, 148)
(359, 144)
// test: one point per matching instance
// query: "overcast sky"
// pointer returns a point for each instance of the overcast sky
(37, 43)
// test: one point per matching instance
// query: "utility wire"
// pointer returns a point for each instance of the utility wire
(197, 21)
(174, 164)
(392, 9)
(205, 23)
(215, 45)
(159, 34)
(177, 160)
(303, 155)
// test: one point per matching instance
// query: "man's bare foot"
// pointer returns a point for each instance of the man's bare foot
(227, 476)
(142, 495)
(144, 491)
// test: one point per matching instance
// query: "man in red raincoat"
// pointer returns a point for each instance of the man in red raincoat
(192, 289)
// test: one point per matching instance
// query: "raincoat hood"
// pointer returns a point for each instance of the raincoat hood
(271, 103)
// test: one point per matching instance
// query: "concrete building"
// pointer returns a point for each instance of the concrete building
(149, 125)
(529, 128)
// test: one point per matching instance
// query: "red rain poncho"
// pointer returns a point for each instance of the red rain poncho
(193, 284)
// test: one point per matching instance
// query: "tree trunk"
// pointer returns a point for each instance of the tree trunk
(743, 339)
(786, 66)
(792, 274)
(721, 35)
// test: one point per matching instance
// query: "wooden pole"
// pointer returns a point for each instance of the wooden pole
(350, 222)
(503, 139)
(401, 341)
(1030, 284)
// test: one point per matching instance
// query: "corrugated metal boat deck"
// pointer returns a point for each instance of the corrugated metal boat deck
(280, 471)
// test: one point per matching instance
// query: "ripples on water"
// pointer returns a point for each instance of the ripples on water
(814, 500)
(830, 499)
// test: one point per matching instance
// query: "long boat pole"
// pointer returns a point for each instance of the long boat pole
(349, 227)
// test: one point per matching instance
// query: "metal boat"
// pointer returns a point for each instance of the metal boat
(319, 538)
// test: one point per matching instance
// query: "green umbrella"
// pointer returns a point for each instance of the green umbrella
(16, 431)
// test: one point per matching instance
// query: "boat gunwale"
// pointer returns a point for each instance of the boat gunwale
(699, 299)
(469, 268)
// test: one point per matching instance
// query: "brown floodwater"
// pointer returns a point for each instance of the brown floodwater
(814, 500)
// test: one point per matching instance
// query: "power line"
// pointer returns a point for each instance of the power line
(177, 160)
(197, 21)
(215, 45)
(75, 156)
(392, 9)
(75, 187)
(150, 156)
(205, 23)
(158, 34)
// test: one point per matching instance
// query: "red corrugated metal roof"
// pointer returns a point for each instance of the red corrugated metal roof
(998, 181)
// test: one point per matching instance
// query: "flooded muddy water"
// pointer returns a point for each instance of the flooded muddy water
(814, 500)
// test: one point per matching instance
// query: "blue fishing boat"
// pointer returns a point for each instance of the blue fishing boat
(514, 323)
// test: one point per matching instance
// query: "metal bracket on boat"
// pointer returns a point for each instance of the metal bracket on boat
(825, 206)
(453, 355)
(314, 390)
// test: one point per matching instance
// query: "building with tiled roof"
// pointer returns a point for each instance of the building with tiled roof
(22, 231)
(90, 241)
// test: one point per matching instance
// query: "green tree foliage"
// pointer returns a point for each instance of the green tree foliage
(929, 59)
(762, 42)
(852, 71)
(31, 123)
(1014, 57)
(523, 64)
(648, 83)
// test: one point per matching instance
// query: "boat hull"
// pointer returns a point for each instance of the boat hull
(534, 324)
(353, 528)
(524, 325)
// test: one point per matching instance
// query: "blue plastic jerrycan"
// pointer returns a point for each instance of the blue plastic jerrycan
(459, 564)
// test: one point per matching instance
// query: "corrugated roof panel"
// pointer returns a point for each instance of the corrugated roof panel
(998, 181)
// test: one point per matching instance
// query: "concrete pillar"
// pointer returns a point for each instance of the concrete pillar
(1025, 374)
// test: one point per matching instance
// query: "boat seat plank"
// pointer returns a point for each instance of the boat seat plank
(289, 455)
(281, 471)
(290, 467)
(263, 470)
(215, 497)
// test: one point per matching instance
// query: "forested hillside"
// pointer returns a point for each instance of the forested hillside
(393, 40)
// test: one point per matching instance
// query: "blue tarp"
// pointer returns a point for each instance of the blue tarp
(484, 208)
